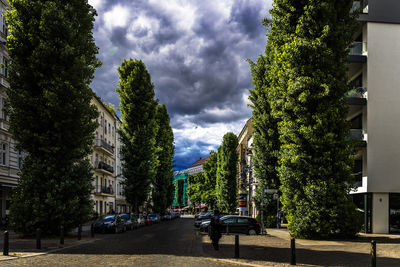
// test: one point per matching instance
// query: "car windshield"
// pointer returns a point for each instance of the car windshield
(109, 219)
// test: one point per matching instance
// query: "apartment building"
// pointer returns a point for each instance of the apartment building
(375, 114)
(10, 158)
(103, 160)
(247, 185)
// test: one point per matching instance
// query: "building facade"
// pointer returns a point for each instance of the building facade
(374, 114)
(246, 184)
(10, 158)
(103, 160)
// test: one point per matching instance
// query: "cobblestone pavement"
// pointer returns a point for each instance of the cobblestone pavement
(177, 243)
(172, 243)
(273, 249)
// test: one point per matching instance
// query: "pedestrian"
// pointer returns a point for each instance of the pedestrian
(215, 230)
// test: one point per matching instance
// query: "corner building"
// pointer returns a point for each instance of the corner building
(103, 160)
(374, 113)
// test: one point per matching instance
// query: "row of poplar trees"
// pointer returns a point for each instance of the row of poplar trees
(52, 120)
(217, 187)
(301, 143)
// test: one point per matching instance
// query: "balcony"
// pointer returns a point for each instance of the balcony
(359, 138)
(102, 144)
(104, 167)
(358, 52)
(104, 190)
(360, 6)
(356, 99)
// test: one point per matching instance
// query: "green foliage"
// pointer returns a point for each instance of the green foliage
(196, 187)
(138, 131)
(306, 79)
(226, 185)
(53, 60)
(179, 191)
(163, 187)
(266, 142)
(210, 179)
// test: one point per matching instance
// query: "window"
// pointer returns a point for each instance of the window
(105, 129)
(109, 128)
(113, 131)
(229, 220)
(20, 159)
(242, 220)
(3, 154)
(4, 67)
(5, 26)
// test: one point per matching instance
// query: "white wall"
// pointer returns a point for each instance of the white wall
(383, 108)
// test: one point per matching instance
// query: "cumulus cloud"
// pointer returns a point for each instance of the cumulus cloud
(195, 52)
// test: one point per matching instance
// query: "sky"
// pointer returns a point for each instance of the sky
(195, 52)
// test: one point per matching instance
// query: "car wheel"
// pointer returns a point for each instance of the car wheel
(252, 232)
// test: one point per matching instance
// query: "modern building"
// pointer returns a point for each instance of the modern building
(10, 158)
(375, 114)
(121, 205)
(183, 175)
(103, 160)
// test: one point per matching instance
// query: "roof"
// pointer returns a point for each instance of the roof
(200, 162)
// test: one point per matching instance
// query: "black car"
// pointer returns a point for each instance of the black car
(201, 218)
(109, 224)
(236, 224)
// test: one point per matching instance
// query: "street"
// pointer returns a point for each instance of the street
(170, 243)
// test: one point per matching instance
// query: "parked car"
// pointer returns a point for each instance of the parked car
(167, 216)
(148, 221)
(154, 217)
(235, 224)
(201, 218)
(109, 224)
(140, 220)
(130, 221)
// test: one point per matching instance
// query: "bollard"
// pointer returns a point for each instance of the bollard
(6, 245)
(236, 246)
(293, 248)
(227, 228)
(38, 241)
(80, 232)
(92, 230)
(373, 253)
(61, 235)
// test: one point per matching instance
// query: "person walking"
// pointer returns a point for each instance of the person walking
(215, 230)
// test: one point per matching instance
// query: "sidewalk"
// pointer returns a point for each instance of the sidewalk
(20, 247)
(273, 249)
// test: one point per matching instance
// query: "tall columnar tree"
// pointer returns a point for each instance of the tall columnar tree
(138, 131)
(266, 137)
(196, 188)
(163, 187)
(226, 186)
(210, 179)
(309, 42)
(53, 60)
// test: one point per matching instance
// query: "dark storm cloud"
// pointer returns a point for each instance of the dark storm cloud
(196, 58)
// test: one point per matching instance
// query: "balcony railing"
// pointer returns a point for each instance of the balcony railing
(103, 143)
(103, 166)
(104, 189)
(357, 96)
(358, 49)
(356, 134)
